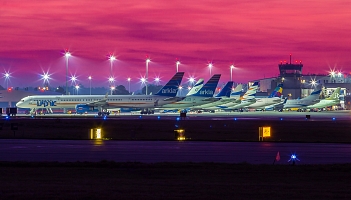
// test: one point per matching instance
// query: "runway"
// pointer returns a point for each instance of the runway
(172, 151)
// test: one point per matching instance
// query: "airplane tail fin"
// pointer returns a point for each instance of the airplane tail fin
(225, 92)
(335, 95)
(209, 88)
(198, 85)
(171, 88)
(236, 92)
(315, 94)
(251, 92)
(277, 92)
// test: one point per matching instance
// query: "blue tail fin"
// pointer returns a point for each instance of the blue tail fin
(225, 92)
(209, 88)
(171, 88)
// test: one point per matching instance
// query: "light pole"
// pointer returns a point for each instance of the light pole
(146, 76)
(77, 87)
(112, 88)
(73, 80)
(231, 72)
(112, 58)
(129, 84)
(111, 80)
(67, 55)
(7, 77)
(177, 64)
(210, 66)
(90, 83)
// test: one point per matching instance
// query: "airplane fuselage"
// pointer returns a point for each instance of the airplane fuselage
(189, 102)
(112, 101)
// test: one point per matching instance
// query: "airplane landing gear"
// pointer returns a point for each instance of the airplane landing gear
(147, 111)
(103, 114)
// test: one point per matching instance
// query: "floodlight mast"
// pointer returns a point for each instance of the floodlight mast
(67, 55)
(210, 66)
(147, 72)
(177, 64)
(231, 72)
(129, 84)
(90, 83)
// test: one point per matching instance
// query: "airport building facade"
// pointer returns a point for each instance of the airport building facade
(298, 85)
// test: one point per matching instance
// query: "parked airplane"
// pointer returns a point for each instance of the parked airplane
(223, 95)
(204, 95)
(83, 103)
(304, 102)
(330, 101)
(234, 95)
(273, 98)
(247, 99)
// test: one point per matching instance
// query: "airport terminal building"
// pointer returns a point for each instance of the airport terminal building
(299, 85)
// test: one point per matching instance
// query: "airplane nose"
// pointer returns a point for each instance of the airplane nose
(18, 104)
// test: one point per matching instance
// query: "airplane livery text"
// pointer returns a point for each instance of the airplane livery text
(46, 103)
(169, 90)
(206, 92)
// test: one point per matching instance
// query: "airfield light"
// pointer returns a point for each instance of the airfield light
(143, 80)
(73, 79)
(111, 79)
(189, 88)
(7, 78)
(192, 80)
(339, 74)
(96, 133)
(157, 80)
(293, 158)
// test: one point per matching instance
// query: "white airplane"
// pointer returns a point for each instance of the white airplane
(330, 101)
(202, 96)
(304, 102)
(224, 97)
(247, 99)
(84, 103)
(272, 99)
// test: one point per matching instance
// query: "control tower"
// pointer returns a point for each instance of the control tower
(290, 75)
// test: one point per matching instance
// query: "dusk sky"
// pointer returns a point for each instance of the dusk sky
(253, 35)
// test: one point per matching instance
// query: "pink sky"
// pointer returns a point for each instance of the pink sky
(253, 35)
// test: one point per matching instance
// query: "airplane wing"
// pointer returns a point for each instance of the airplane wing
(174, 99)
(211, 99)
(101, 102)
